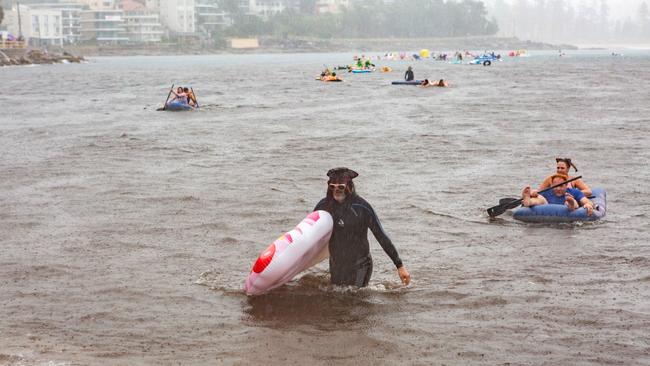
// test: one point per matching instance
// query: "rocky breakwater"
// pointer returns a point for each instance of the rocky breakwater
(29, 57)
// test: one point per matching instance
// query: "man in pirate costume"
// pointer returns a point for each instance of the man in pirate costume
(350, 260)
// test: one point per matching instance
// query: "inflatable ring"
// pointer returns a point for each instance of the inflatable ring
(292, 253)
(487, 63)
(550, 213)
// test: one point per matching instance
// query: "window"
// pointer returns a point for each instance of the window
(35, 25)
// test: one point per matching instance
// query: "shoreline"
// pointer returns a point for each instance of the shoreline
(273, 45)
(311, 45)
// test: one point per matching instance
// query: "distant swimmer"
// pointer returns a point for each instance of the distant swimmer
(440, 83)
(409, 76)
(350, 261)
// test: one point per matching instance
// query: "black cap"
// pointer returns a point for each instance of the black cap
(342, 173)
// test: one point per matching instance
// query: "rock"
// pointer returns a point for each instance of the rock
(35, 56)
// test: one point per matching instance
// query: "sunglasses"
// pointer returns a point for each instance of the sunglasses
(340, 187)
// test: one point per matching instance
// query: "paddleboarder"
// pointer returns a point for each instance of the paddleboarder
(408, 75)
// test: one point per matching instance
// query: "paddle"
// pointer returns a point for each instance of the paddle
(170, 93)
(509, 202)
(194, 96)
(502, 207)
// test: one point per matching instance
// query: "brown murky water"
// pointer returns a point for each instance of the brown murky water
(126, 234)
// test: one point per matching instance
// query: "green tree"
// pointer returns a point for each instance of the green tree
(2, 14)
(373, 18)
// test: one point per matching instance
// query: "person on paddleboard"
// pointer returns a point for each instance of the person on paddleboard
(408, 75)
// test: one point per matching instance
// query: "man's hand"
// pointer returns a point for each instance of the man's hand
(571, 202)
(404, 275)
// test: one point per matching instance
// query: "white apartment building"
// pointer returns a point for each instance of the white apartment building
(331, 6)
(103, 26)
(268, 8)
(152, 5)
(99, 4)
(46, 27)
(141, 24)
(178, 16)
(70, 18)
(210, 17)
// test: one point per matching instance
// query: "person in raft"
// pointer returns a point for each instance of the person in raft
(408, 75)
(331, 77)
(562, 167)
(573, 198)
(350, 260)
(179, 96)
(191, 99)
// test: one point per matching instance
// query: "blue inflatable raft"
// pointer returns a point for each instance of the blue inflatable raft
(485, 60)
(178, 106)
(361, 71)
(412, 82)
(561, 213)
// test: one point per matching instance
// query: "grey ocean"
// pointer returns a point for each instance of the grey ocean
(126, 234)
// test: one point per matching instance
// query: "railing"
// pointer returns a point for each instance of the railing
(4, 44)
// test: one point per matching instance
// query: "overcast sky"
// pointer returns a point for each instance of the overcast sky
(619, 9)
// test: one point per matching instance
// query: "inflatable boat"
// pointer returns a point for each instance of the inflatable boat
(485, 60)
(560, 213)
(175, 106)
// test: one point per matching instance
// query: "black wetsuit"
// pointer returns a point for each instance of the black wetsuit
(350, 260)
(408, 76)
